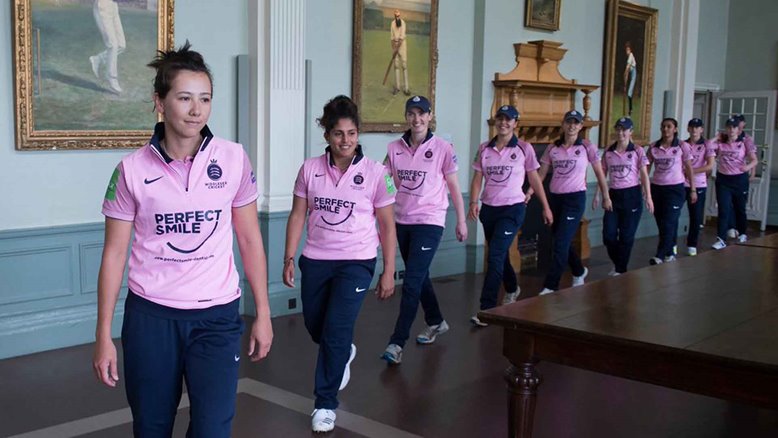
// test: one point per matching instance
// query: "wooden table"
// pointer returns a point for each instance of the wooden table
(769, 241)
(705, 324)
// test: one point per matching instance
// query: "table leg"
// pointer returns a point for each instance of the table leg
(523, 381)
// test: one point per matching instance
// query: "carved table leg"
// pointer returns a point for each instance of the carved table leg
(523, 383)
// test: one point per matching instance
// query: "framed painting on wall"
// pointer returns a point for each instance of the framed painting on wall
(628, 71)
(542, 14)
(80, 74)
(395, 55)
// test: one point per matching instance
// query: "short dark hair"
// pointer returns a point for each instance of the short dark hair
(339, 107)
(169, 63)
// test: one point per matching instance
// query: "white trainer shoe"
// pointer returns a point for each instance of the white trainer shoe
(742, 238)
(477, 322)
(428, 335)
(719, 244)
(691, 251)
(347, 370)
(732, 233)
(510, 298)
(655, 261)
(323, 420)
(393, 355)
(579, 280)
(670, 258)
(546, 291)
(613, 273)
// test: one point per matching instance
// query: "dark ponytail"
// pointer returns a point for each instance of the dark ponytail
(169, 63)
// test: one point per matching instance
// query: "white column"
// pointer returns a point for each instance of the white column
(683, 57)
(277, 53)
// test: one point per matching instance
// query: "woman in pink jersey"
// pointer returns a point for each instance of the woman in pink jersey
(503, 162)
(568, 159)
(736, 158)
(342, 192)
(671, 158)
(703, 156)
(183, 195)
(625, 166)
(424, 167)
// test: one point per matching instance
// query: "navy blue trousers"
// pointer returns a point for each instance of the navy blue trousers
(163, 346)
(732, 197)
(500, 227)
(696, 215)
(418, 244)
(568, 209)
(619, 226)
(332, 292)
(668, 201)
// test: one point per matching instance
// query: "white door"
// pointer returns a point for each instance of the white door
(759, 109)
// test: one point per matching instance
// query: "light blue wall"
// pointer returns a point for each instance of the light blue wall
(712, 43)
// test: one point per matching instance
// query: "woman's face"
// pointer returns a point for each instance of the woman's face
(733, 132)
(571, 127)
(624, 135)
(505, 125)
(695, 131)
(187, 106)
(418, 121)
(668, 129)
(343, 138)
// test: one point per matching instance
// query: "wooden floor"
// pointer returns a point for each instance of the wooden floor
(453, 388)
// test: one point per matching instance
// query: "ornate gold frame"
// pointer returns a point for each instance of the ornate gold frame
(614, 9)
(528, 22)
(27, 138)
(356, 70)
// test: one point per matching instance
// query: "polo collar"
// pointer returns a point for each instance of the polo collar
(700, 141)
(159, 135)
(675, 143)
(407, 137)
(630, 147)
(578, 142)
(357, 158)
(514, 142)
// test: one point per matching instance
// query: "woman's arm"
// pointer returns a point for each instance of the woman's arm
(388, 236)
(542, 172)
(475, 193)
(109, 280)
(294, 232)
(459, 205)
(536, 184)
(603, 184)
(252, 252)
(646, 184)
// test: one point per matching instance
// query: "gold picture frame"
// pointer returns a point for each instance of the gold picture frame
(628, 92)
(375, 69)
(67, 93)
(542, 14)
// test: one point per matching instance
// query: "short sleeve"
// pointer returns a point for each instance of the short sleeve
(384, 190)
(450, 160)
(301, 184)
(530, 158)
(686, 152)
(710, 149)
(748, 142)
(649, 155)
(546, 157)
(592, 153)
(641, 154)
(247, 191)
(119, 202)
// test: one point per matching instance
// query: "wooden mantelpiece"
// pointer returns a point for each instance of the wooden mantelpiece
(540, 93)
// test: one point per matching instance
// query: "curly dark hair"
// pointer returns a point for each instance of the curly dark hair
(339, 107)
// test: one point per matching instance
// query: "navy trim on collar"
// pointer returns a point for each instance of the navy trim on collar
(700, 141)
(578, 142)
(357, 158)
(407, 137)
(159, 135)
(676, 143)
(514, 142)
(630, 147)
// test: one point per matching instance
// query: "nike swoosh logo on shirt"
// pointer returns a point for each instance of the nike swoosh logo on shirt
(361, 289)
(507, 233)
(237, 358)
(398, 153)
(424, 248)
(318, 175)
(676, 207)
(570, 218)
(149, 181)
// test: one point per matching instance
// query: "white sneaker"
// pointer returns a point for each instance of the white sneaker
(719, 244)
(675, 249)
(732, 233)
(691, 251)
(613, 273)
(95, 62)
(347, 370)
(546, 291)
(742, 238)
(511, 297)
(655, 261)
(670, 258)
(428, 335)
(477, 322)
(393, 354)
(323, 420)
(579, 281)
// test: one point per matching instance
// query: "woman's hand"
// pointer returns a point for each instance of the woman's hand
(288, 275)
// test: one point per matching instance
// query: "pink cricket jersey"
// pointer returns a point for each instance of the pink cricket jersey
(182, 255)
(732, 156)
(504, 170)
(624, 167)
(420, 178)
(341, 206)
(568, 165)
(668, 162)
(700, 152)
